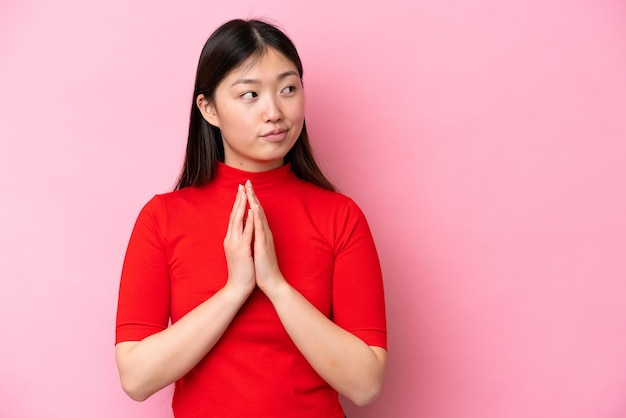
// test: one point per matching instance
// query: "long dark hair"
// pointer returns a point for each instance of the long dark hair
(226, 49)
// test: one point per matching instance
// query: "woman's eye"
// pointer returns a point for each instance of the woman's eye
(289, 89)
(249, 95)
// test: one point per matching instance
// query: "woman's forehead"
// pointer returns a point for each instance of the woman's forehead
(263, 64)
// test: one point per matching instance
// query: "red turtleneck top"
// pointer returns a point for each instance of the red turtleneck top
(175, 260)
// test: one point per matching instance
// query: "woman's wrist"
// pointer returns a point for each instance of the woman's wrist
(236, 293)
(278, 291)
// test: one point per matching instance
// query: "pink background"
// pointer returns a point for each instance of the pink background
(485, 141)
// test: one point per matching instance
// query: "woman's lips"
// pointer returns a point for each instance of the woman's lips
(275, 135)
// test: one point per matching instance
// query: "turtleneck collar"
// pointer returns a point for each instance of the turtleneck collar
(262, 180)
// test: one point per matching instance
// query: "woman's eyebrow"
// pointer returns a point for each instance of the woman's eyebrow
(287, 74)
(255, 81)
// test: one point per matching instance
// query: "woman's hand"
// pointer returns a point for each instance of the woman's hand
(162, 358)
(238, 246)
(347, 363)
(268, 275)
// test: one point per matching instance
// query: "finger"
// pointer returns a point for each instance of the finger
(261, 225)
(236, 214)
(253, 200)
(249, 227)
(259, 230)
(262, 232)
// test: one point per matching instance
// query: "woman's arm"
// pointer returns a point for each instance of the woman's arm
(349, 365)
(149, 365)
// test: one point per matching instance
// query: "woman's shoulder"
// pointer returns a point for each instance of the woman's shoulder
(172, 199)
(178, 194)
(329, 199)
(310, 189)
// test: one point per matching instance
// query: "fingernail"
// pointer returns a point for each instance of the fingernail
(239, 188)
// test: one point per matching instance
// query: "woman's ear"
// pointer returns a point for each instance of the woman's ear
(207, 108)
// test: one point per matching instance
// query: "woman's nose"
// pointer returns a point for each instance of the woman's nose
(273, 112)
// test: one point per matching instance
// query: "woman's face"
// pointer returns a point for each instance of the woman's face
(259, 108)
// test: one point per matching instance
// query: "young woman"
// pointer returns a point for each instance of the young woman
(254, 286)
